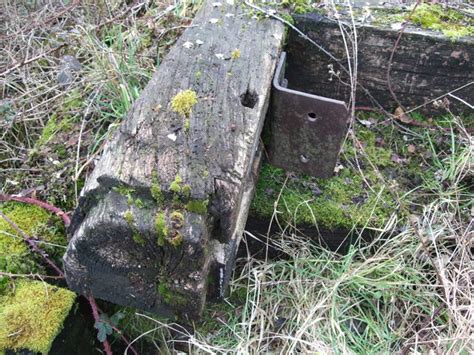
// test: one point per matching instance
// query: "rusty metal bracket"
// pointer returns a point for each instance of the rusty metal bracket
(306, 130)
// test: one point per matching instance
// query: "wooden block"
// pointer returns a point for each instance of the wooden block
(162, 214)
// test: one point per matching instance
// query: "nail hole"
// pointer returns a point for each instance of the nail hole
(249, 98)
(312, 117)
(304, 159)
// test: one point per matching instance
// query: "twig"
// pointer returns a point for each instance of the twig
(78, 150)
(33, 245)
(440, 97)
(461, 100)
(42, 24)
(422, 332)
(46, 206)
(395, 46)
(38, 276)
(30, 60)
(95, 314)
(44, 255)
(302, 34)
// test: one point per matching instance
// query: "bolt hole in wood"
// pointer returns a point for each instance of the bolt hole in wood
(304, 159)
(312, 117)
(249, 98)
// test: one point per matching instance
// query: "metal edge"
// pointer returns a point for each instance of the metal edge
(279, 76)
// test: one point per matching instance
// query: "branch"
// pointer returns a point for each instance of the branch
(33, 201)
(95, 314)
(33, 245)
(389, 65)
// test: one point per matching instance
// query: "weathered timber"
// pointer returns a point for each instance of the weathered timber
(161, 216)
(425, 65)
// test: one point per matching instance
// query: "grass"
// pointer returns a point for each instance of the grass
(51, 132)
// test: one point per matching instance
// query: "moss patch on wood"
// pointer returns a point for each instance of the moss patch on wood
(183, 102)
(197, 206)
(451, 22)
(161, 229)
(32, 315)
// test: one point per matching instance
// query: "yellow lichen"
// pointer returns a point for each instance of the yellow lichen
(183, 102)
(32, 315)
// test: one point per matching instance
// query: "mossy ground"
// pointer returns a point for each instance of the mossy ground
(32, 314)
(367, 189)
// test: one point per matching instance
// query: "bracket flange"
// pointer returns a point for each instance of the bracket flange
(306, 130)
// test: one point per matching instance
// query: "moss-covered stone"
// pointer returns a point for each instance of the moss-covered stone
(32, 314)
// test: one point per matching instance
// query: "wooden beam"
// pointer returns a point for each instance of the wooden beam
(162, 214)
(425, 65)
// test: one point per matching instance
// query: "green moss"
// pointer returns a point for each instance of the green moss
(187, 125)
(128, 216)
(36, 222)
(183, 102)
(186, 191)
(175, 186)
(176, 240)
(161, 229)
(32, 315)
(169, 296)
(379, 155)
(297, 6)
(123, 190)
(446, 20)
(139, 203)
(451, 22)
(137, 238)
(155, 189)
(53, 126)
(341, 201)
(177, 218)
(197, 206)
(335, 205)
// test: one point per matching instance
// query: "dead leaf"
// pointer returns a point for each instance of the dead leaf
(402, 116)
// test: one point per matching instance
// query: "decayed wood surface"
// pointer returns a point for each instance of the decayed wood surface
(115, 251)
(425, 65)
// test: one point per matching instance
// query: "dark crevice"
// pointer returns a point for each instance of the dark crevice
(249, 98)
